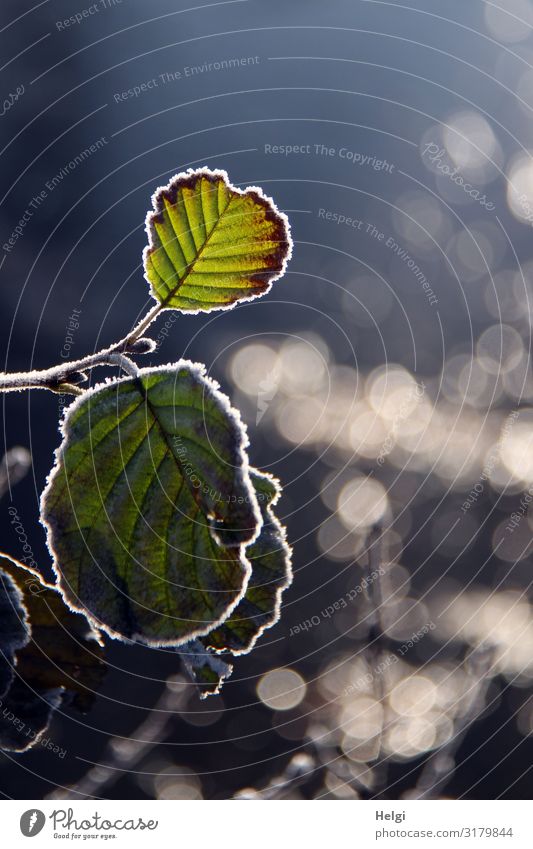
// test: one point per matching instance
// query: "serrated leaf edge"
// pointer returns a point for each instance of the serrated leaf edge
(233, 413)
(11, 658)
(42, 585)
(287, 549)
(250, 190)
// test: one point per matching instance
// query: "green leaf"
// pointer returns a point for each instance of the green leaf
(63, 657)
(212, 245)
(150, 504)
(270, 559)
(259, 609)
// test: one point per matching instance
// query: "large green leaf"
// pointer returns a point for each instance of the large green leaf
(150, 504)
(211, 244)
(62, 657)
(270, 559)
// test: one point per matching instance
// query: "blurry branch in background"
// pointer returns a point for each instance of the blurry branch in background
(122, 755)
(387, 710)
(300, 770)
(14, 466)
(312, 768)
(441, 764)
(376, 637)
(374, 597)
(321, 760)
(307, 769)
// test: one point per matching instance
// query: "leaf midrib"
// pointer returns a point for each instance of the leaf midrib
(199, 253)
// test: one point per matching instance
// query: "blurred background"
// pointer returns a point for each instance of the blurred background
(385, 380)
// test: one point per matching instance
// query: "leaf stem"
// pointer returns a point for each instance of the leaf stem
(143, 325)
(124, 362)
(63, 378)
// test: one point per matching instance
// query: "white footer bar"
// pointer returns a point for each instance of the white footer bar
(302, 825)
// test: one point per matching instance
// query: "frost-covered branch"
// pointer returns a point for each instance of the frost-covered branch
(66, 377)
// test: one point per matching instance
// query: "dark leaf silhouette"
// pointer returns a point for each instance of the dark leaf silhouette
(14, 630)
(62, 659)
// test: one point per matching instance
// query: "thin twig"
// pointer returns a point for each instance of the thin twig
(299, 771)
(143, 325)
(63, 378)
(123, 754)
(375, 598)
(124, 362)
(376, 637)
(441, 764)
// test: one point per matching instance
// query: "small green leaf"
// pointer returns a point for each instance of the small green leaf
(212, 245)
(150, 504)
(63, 657)
(270, 558)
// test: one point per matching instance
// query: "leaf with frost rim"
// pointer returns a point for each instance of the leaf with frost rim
(241, 484)
(202, 657)
(270, 542)
(180, 267)
(15, 630)
(46, 668)
(46, 610)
